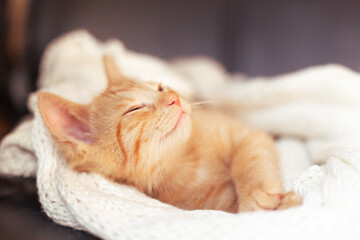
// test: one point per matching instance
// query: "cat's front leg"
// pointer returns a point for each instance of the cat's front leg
(255, 173)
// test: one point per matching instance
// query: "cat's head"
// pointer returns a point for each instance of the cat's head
(129, 128)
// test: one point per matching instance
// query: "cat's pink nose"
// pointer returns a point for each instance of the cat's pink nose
(171, 99)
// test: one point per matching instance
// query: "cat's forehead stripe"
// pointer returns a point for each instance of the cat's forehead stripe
(118, 90)
(127, 99)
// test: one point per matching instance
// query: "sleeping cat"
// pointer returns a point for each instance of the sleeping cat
(145, 135)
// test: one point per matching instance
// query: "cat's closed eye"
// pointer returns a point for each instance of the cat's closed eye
(134, 108)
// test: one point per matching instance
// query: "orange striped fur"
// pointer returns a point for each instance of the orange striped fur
(145, 135)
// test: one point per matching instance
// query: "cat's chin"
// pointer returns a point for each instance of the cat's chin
(182, 128)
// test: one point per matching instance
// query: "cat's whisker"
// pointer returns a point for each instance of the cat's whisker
(204, 102)
(217, 104)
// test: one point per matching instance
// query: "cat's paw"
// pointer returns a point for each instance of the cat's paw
(260, 199)
(289, 200)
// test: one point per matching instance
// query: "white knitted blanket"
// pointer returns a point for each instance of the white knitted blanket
(315, 113)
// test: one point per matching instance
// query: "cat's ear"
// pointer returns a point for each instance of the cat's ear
(67, 121)
(112, 71)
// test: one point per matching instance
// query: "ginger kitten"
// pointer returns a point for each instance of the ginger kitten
(145, 135)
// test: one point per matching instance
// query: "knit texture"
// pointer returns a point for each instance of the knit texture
(315, 112)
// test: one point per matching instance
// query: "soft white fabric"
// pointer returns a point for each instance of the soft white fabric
(17, 155)
(315, 112)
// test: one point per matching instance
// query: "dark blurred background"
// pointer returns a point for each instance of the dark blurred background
(256, 37)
